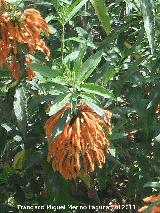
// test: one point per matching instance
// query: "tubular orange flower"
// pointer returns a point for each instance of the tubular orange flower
(80, 146)
(25, 30)
(151, 199)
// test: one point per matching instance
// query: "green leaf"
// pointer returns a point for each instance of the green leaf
(71, 57)
(73, 9)
(96, 89)
(117, 136)
(157, 138)
(147, 8)
(86, 180)
(112, 150)
(20, 159)
(79, 61)
(12, 1)
(96, 108)
(59, 127)
(101, 176)
(44, 70)
(102, 13)
(152, 184)
(89, 97)
(82, 41)
(8, 105)
(20, 107)
(34, 159)
(60, 102)
(88, 66)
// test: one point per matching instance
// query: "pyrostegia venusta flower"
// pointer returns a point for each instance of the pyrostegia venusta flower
(151, 199)
(80, 146)
(20, 28)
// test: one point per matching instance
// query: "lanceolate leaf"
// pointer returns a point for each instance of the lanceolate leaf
(78, 63)
(34, 159)
(61, 123)
(96, 108)
(96, 89)
(59, 102)
(89, 97)
(20, 106)
(88, 66)
(71, 57)
(73, 9)
(44, 70)
(102, 13)
(153, 184)
(147, 9)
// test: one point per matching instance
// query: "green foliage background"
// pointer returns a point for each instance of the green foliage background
(105, 53)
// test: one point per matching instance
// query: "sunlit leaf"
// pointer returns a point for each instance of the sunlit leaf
(96, 89)
(43, 70)
(20, 158)
(73, 9)
(153, 184)
(59, 102)
(147, 7)
(20, 107)
(88, 66)
(102, 13)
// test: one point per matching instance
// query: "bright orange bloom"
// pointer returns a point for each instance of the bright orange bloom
(20, 28)
(79, 148)
(151, 199)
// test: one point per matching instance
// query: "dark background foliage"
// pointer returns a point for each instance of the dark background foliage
(128, 73)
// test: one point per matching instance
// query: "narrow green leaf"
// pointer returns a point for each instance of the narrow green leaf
(59, 127)
(12, 1)
(96, 108)
(89, 97)
(82, 41)
(102, 13)
(88, 66)
(73, 9)
(152, 184)
(60, 102)
(79, 61)
(34, 159)
(96, 89)
(147, 9)
(112, 150)
(117, 136)
(20, 106)
(44, 70)
(157, 138)
(62, 81)
(71, 57)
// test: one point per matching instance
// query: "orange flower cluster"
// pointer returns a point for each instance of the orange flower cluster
(151, 199)
(20, 28)
(79, 147)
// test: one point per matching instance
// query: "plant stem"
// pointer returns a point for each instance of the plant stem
(62, 44)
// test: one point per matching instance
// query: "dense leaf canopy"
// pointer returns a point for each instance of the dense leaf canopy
(79, 105)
